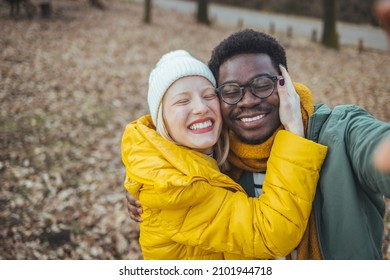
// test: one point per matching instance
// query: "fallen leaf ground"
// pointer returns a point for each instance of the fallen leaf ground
(68, 87)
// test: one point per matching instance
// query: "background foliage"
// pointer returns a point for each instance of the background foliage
(354, 11)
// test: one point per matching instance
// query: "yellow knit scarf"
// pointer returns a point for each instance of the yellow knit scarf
(254, 158)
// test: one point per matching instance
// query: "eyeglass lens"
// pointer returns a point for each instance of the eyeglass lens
(261, 87)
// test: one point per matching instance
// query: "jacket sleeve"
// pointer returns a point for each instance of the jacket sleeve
(133, 187)
(266, 227)
(362, 135)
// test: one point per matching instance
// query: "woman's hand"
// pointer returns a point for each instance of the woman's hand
(289, 105)
(134, 208)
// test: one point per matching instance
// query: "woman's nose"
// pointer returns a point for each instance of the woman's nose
(200, 106)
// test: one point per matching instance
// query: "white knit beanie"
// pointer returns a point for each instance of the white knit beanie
(171, 67)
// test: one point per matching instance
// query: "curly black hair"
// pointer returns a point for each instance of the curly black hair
(247, 41)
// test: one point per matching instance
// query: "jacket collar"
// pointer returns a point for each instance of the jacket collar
(317, 120)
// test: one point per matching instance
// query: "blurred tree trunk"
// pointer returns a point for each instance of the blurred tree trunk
(148, 11)
(97, 4)
(330, 37)
(45, 8)
(30, 8)
(202, 15)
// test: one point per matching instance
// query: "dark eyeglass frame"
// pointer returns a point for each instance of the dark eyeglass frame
(249, 84)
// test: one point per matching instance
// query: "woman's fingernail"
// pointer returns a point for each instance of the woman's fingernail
(281, 82)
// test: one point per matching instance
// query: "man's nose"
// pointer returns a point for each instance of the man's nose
(248, 99)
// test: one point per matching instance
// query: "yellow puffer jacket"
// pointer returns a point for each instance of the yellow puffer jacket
(193, 211)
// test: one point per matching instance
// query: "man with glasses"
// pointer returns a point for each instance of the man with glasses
(348, 210)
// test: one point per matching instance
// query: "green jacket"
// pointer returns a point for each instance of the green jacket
(349, 205)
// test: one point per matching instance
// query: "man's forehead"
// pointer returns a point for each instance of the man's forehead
(243, 67)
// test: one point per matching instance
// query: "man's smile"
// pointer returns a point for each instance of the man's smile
(251, 119)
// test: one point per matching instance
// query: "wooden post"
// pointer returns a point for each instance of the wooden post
(272, 28)
(360, 45)
(314, 36)
(240, 23)
(289, 32)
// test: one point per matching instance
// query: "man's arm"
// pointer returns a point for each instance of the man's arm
(363, 136)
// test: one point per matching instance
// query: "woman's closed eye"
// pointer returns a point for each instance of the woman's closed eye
(182, 101)
(209, 93)
(210, 96)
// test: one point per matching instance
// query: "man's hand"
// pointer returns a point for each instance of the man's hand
(382, 13)
(289, 105)
(134, 208)
(382, 156)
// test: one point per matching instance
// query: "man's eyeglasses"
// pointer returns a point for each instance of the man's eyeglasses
(261, 86)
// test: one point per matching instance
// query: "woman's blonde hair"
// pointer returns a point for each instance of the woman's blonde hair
(221, 148)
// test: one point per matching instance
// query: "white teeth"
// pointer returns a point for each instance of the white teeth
(197, 126)
(252, 119)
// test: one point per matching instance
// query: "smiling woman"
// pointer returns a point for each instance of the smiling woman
(183, 101)
(173, 159)
(191, 113)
